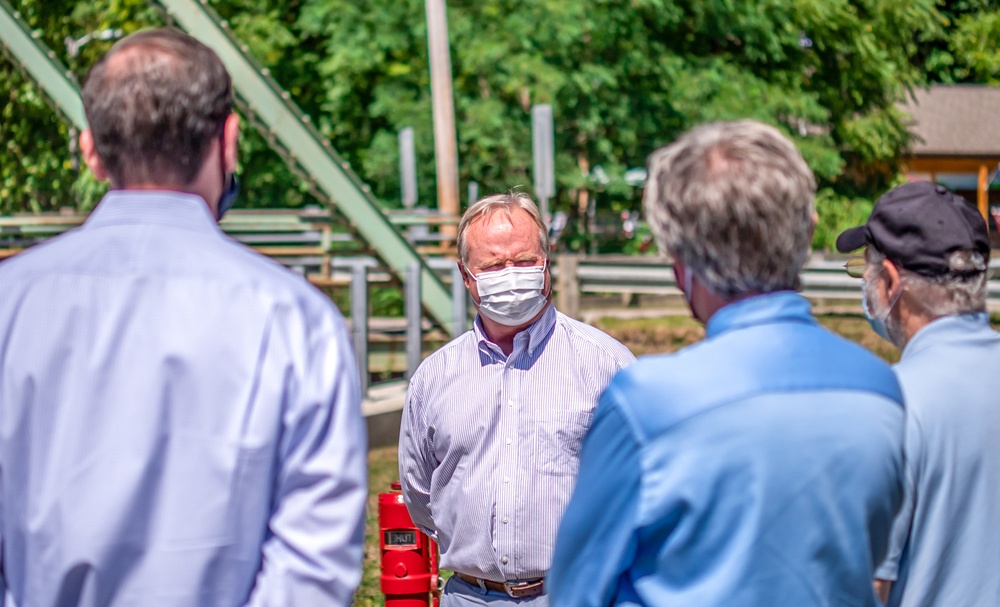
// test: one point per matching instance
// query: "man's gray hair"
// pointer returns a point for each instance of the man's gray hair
(734, 202)
(505, 203)
(962, 290)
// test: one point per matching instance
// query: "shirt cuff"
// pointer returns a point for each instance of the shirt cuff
(888, 570)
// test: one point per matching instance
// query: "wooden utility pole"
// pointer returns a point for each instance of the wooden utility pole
(983, 192)
(445, 144)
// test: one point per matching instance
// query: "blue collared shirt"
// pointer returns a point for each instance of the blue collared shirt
(489, 444)
(761, 467)
(179, 420)
(945, 547)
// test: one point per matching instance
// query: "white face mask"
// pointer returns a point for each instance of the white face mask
(511, 296)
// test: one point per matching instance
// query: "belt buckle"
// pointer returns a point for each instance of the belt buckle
(523, 589)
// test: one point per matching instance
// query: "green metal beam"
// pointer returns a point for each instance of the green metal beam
(288, 126)
(41, 65)
(283, 125)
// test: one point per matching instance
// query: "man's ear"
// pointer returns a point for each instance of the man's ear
(90, 157)
(548, 279)
(893, 282)
(679, 269)
(230, 141)
(466, 279)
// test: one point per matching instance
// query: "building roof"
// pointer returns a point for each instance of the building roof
(955, 120)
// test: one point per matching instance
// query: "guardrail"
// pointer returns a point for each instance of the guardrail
(305, 240)
(309, 242)
(824, 278)
(360, 272)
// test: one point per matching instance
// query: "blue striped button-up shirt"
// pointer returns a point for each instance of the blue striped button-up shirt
(179, 420)
(489, 443)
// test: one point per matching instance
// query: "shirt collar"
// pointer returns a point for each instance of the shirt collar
(946, 328)
(156, 207)
(536, 333)
(783, 306)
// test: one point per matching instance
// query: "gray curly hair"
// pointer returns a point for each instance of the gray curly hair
(735, 202)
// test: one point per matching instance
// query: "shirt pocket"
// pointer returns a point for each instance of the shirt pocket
(558, 438)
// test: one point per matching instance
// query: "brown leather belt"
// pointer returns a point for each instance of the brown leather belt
(515, 590)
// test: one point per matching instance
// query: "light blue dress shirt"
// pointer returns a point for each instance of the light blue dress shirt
(489, 444)
(945, 547)
(759, 468)
(179, 420)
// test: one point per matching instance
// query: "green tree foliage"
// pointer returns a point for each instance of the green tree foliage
(977, 43)
(35, 171)
(623, 76)
(38, 167)
(963, 48)
(269, 31)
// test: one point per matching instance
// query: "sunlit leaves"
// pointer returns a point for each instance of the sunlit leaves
(623, 77)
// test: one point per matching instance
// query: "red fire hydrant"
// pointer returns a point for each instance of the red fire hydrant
(409, 557)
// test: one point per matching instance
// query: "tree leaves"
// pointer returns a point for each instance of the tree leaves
(623, 76)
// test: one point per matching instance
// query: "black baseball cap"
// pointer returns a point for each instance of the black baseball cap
(917, 225)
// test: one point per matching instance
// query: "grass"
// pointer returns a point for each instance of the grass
(382, 470)
(856, 329)
(642, 336)
(653, 335)
(668, 334)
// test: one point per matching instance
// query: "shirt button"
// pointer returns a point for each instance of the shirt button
(504, 520)
(504, 560)
(510, 403)
(509, 441)
(506, 479)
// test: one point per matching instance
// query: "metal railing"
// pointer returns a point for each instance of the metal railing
(823, 278)
(361, 272)
(308, 242)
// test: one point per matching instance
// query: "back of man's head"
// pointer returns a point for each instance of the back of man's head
(154, 103)
(938, 242)
(734, 202)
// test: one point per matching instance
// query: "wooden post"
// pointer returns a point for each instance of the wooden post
(445, 146)
(568, 285)
(325, 268)
(982, 194)
(414, 320)
(359, 320)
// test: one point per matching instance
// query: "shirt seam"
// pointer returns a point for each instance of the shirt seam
(602, 347)
(736, 399)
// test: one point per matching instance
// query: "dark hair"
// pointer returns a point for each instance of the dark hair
(154, 104)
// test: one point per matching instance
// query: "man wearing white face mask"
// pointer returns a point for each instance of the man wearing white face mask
(926, 255)
(493, 422)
